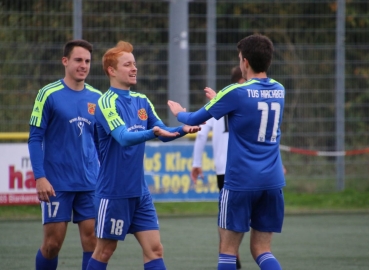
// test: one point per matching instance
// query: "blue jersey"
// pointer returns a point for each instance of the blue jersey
(255, 110)
(121, 173)
(65, 119)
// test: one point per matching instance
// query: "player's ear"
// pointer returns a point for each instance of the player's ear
(111, 71)
(64, 60)
(245, 63)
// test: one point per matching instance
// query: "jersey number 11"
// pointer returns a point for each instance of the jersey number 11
(264, 108)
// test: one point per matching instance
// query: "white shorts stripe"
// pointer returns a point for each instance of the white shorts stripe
(223, 209)
(101, 217)
(42, 212)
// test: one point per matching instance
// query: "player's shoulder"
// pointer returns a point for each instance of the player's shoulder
(49, 89)
(137, 95)
(93, 89)
(231, 87)
(107, 100)
(141, 99)
(276, 83)
(264, 83)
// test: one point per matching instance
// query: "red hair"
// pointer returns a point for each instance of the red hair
(110, 58)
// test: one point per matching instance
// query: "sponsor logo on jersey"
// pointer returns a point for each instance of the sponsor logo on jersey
(142, 114)
(111, 114)
(91, 108)
(80, 121)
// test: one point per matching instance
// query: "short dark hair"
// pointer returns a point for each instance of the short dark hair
(68, 47)
(258, 50)
(236, 74)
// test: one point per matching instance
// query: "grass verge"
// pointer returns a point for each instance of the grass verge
(345, 201)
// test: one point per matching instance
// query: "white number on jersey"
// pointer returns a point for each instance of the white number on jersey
(264, 108)
(49, 210)
(116, 226)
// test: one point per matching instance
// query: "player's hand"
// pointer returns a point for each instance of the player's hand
(191, 129)
(175, 107)
(210, 93)
(44, 189)
(195, 173)
(163, 133)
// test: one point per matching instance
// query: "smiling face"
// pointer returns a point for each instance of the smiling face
(77, 65)
(125, 74)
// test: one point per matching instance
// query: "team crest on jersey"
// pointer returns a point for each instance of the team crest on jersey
(91, 108)
(142, 114)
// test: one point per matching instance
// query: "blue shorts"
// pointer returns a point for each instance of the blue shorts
(261, 210)
(117, 217)
(66, 203)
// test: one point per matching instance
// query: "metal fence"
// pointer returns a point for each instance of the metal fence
(305, 35)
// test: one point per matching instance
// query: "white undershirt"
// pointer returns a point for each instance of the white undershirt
(219, 143)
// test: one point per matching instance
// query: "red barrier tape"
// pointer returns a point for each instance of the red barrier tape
(323, 153)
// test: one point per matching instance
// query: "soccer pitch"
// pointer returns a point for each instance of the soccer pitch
(324, 241)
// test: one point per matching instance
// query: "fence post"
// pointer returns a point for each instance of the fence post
(340, 93)
(77, 19)
(211, 43)
(178, 66)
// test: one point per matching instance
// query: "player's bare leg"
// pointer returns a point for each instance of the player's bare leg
(104, 249)
(47, 255)
(88, 240)
(54, 235)
(152, 249)
(229, 244)
(87, 234)
(102, 253)
(260, 246)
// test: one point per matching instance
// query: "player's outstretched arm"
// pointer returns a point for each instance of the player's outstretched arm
(164, 133)
(191, 129)
(175, 107)
(210, 93)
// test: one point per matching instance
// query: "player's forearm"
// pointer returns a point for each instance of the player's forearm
(170, 129)
(194, 118)
(36, 155)
(126, 138)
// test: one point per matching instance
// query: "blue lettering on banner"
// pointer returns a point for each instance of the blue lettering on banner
(167, 173)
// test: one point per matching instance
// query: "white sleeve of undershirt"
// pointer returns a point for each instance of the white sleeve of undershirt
(200, 142)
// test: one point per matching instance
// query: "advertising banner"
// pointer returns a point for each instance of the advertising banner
(167, 172)
(17, 183)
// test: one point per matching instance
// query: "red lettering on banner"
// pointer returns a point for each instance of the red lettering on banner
(13, 176)
(30, 180)
(16, 179)
(18, 199)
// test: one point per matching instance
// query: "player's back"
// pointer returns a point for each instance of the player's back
(254, 111)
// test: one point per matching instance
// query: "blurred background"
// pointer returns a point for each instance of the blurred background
(321, 57)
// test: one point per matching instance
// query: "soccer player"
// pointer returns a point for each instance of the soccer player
(252, 195)
(219, 142)
(123, 203)
(64, 156)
